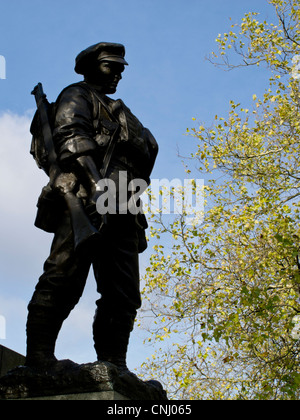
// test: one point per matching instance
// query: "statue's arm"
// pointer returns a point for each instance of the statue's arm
(73, 133)
(73, 136)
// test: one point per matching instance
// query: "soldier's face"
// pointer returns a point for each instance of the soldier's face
(108, 75)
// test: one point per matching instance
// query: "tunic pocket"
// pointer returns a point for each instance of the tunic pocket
(105, 131)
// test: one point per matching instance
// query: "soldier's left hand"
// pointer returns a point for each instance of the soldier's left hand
(64, 183)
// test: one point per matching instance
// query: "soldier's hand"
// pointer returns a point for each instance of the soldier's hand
(64, 183)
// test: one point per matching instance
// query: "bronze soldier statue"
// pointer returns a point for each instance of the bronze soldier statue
(94, 136)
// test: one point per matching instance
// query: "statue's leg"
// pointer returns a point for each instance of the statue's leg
(116, 271)
(57, 292)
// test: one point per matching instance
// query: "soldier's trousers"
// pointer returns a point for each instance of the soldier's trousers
(116, 270)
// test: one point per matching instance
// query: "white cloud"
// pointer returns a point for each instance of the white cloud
(20, 179)
(22, 246)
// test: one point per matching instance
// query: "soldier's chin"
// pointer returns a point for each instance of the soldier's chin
(111, 89)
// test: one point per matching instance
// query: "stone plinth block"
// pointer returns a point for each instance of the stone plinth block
(68, 380)
(9, 359)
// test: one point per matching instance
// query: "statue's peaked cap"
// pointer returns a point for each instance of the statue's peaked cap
(107, 51)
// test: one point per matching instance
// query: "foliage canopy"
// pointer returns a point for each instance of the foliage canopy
(223, 294)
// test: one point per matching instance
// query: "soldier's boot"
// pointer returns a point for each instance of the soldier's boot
(111, 339)
(42, 331)
(114, 351)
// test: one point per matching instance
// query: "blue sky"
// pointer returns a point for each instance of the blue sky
(167, 83)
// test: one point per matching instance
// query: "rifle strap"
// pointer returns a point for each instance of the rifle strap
(112, 144)
(109, 152)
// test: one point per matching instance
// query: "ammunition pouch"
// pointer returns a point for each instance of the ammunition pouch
(50, 209)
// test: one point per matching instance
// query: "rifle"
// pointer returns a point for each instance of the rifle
(83, 229)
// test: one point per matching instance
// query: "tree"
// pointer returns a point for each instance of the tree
(223, 294)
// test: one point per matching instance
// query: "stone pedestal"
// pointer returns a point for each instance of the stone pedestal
(88, 396)
(9, 360)
(66, 380)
